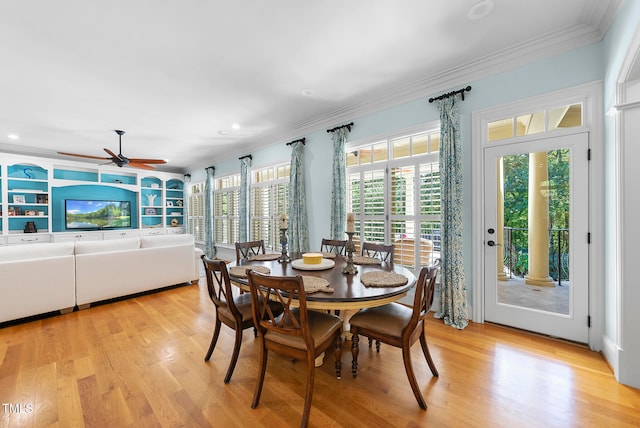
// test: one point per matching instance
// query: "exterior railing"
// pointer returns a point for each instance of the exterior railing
(516, 253)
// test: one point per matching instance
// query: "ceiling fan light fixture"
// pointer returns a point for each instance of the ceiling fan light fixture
(480, 9)
(119, 159)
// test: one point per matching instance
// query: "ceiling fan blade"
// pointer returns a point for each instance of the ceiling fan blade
(83, 156)
(152, 161)
(113, 155)
(140, 165)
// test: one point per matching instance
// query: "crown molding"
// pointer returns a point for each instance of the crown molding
(509, 58)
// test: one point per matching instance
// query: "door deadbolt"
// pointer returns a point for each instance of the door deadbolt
(491, 243)
(491, 231)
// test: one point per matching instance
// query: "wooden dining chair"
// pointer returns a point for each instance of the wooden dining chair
(335, 246)
(234, 312)
(400, 326)
(245, 250)
(378, 251)
(298, 333)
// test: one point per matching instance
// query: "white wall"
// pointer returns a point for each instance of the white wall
(622, 210)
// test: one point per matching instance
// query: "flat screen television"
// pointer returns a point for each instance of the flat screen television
(96, 215)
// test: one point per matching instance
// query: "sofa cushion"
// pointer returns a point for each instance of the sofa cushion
(87, 247)
(35, 251)
(166, 240)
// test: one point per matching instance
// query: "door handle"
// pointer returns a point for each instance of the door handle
(491, 243)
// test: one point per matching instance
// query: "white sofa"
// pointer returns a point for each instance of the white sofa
(115, 268)
(41, 278)
(36, 279)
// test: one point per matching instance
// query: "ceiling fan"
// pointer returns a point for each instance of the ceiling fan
(120, 159)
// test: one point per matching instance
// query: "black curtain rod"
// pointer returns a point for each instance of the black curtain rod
(348, 126)
(450, 94)
(246, 156)
(301, 140)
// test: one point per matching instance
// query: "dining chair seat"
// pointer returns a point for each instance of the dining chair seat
(244, 308)
(243, 305)
(321, 328)
(390, 319)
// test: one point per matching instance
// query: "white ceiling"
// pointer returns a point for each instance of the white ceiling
(175, 75)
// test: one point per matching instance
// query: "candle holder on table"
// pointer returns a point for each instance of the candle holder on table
(350, 268)
(284, 257)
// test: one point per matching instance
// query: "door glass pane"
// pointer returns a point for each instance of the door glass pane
(533, 239)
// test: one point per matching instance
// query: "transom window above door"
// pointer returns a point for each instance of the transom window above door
(544, 120)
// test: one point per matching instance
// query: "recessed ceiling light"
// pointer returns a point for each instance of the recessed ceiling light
(13, 136)
(307, 92)
(480, 9)
(235, 126)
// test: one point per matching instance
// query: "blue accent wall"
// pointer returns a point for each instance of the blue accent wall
(89, 192)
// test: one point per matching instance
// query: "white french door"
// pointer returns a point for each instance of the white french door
(536, 255)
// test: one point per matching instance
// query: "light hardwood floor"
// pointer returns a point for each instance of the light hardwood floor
(139, 362)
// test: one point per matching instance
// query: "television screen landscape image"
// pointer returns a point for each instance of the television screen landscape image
(92, 214)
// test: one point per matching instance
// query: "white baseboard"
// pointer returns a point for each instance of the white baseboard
(611, 354)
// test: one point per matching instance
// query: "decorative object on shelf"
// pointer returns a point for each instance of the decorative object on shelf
(179, 202)
(30, 227)
(349, 268)
(284, 257)
(18, 199)
(28, 173)
(174, 222)
(12, 212)
(42, 199)
(155, 185)
(175, 213)
(115, 180)
(41, 213)
(169, 203)
(31, 213)
(119, 159)
(150, 211)
(151, 198)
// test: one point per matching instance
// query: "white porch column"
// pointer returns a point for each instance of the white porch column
(539, 221)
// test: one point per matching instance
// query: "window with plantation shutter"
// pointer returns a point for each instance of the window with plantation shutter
(196, 211)
(269, 199)
(393, 188)
(226, 209)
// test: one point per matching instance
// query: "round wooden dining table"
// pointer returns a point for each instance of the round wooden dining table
(348, 292)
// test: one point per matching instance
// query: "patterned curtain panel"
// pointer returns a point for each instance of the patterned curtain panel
(298, 230)
(453, 297)
(185, 203)
(243, 209)
(209, 241)
(338, 196)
